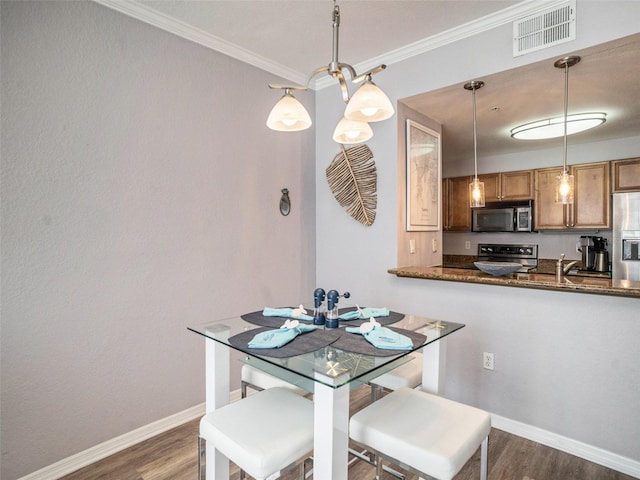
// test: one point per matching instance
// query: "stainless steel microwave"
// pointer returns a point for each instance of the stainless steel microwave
(503, 217)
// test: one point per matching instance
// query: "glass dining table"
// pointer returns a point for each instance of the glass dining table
(326, 362)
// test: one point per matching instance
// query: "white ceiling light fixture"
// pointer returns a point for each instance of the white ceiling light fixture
(288, 115)
(554, 127)
(476, 187)
(369, 103)
(564, 181)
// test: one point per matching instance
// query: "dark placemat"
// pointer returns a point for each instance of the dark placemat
(355, 343)
(276, 322)
(304, 343)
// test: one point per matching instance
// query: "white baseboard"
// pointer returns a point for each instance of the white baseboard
(103, 450)
(587, 452)
(87, 457)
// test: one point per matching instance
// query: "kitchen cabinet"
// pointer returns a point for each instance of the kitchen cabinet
(499, 187)
(456, 213)
(625, 175)
(592, 200)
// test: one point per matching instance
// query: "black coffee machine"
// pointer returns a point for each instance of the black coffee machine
(595, 256)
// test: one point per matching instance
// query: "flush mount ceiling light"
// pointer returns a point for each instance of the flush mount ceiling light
(554, 127)
(476, 187)
(368, 104)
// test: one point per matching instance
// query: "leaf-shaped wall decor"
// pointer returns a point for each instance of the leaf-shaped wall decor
(352, 178)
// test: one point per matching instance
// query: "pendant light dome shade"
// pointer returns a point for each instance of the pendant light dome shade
(352, 131)
(288, 115)
(369, 104)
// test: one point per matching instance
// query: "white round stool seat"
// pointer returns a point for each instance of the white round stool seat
(427, 433)
(406, 375)
(262, 380)
(263, 433)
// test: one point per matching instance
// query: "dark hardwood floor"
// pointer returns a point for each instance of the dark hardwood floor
(173, 456)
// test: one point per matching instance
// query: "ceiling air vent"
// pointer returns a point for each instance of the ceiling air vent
(548, 27)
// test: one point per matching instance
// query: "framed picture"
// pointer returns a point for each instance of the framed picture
(424, 178)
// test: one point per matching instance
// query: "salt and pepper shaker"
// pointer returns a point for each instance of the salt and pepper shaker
(318, 312)
(332, 320)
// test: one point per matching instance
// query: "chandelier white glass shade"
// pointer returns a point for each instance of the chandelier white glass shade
(476, 187)
(352, 131)
(288, 115)
(565, 181)
(369, 103)
(554, 127)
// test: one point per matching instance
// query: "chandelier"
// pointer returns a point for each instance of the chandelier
(368, 104)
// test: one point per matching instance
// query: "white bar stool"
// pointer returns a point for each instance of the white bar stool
(262, 434)
(424, 433)
(257, 379)
(407, 375)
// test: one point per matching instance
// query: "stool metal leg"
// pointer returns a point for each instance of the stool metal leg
(484, 447)
(378, 461)
(200, 457)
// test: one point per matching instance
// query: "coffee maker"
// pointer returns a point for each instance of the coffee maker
(595, 256)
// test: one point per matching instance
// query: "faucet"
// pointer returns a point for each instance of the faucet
(561, 268)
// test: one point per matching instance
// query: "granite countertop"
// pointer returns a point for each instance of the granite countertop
(544, 281)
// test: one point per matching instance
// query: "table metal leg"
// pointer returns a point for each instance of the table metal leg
(331, 428)
(217, 395)
(433, 366)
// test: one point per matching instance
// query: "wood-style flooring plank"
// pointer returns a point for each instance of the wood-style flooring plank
(173, 456)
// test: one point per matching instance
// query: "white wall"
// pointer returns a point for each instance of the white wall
(140, 191)
(565, 362)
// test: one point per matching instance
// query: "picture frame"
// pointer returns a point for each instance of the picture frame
(423, 178)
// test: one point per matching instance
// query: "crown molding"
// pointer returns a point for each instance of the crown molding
(157, 19)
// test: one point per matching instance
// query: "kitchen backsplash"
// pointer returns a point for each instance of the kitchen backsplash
(550, 244)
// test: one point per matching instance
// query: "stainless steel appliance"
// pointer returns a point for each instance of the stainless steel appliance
(526, 255)
(503, 217)
(594, 253)
(626, 236)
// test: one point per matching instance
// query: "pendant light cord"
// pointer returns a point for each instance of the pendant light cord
(566, 110)
(475, 137)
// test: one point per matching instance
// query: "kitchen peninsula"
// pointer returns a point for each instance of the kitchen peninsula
(544, 281)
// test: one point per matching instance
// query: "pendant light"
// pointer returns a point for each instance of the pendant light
(564, 181)
(369, 103)
(476, 187)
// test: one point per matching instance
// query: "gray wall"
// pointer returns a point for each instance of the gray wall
(566, 363)
(140, 191)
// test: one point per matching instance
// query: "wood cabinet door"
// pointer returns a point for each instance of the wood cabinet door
(592, 199)
(626, 175)
(457, 203)
(547, 214)
(491, 187)
(516, 185)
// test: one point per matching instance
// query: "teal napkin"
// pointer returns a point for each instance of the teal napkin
(367, 312)
(279, 337)
(285, 313)
(383, 337)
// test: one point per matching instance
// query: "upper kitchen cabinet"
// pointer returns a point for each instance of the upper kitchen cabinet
(592, 200)
(626, 175)
(499, 187)
(456, 213)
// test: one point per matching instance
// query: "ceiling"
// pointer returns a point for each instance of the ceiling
(291, 38)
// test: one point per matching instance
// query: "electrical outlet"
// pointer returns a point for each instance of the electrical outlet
(467, 245)
(412, 245)
(578, 249)
(487, 360)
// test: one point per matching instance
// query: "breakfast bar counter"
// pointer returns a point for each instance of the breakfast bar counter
(544, 281)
